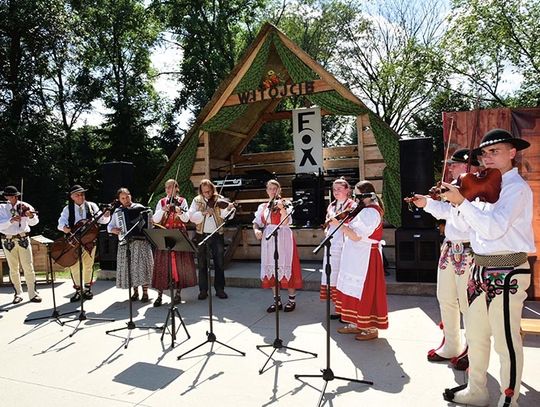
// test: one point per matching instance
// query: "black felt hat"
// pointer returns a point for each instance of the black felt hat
(462, 156)
(11, 191)
(496, 136)
(76, 188)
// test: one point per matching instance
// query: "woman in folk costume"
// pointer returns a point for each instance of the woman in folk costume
(361, 287)
(172, 213)
(269, 215)
(342, 202)
(141, 258)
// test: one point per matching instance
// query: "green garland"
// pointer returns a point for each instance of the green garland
(336, 104)
(184, 165)
(331, 101)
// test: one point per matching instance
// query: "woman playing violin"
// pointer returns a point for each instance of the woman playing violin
(361, 286)
(172, 213)
(76, 210)
(269, 215)
(341, 204)
(501, 235)
(16, 217)
(208, 211)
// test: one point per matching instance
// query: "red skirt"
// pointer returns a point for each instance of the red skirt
(333, 293)
(296, 274)
(371, 311)
(185, 270)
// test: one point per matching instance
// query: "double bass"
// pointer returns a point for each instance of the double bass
(65, 250)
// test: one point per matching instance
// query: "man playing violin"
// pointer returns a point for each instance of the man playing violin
(76, 210)
(455, 263)
(16, 217)
(501, 235)
(207, 214)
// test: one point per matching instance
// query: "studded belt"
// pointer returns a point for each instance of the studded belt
(503, 260)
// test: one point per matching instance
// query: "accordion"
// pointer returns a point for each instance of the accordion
(132, 221)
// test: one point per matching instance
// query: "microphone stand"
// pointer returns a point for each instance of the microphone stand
(278, 342)
(127, 239)
(210, 335)
(327, 373)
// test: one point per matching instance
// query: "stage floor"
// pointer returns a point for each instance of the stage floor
(43, 366)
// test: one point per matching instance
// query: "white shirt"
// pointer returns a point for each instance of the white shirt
(209, 220)
(10, 229)
(80, 213)
(444, 210)
(506, 225)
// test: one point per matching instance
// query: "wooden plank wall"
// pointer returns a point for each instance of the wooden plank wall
(365, 156)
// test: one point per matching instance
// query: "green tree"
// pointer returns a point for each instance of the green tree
(487, 40)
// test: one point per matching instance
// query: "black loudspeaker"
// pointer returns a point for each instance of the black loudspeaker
(108, 246)
(115, 174)
(417, 176)
(417, 254)
(309, 188)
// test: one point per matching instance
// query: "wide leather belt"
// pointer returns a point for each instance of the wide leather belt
(503, 260)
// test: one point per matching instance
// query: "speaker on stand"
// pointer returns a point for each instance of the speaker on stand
(114, 175)
(309, 188)
(418, 240)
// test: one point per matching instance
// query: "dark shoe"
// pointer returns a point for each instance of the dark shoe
(272, 308)
(135, 296)
(158, 301)
(433, 357)
(87, 294)
(36, 298)
(222, 294)
(76, 297)
(289, 307)
(461, 363)
(145, 298)
(177, 299)
(203, 295)
(17, 299)
(335, 316)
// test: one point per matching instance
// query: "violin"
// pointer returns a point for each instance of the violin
(485, 185)
(220, 202)
(23, 209)
(347, 214)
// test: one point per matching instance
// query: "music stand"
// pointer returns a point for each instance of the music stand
(210, 336)
(171, 240)
(127, 239)
(327, 373)
(278, 342)
(55, 315)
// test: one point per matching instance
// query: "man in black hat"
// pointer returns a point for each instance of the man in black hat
(455, 263)
(501, 236)
(78, 209)
(16, 217)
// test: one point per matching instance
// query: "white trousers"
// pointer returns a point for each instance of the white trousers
(500, 318)
(21, 257)
(452, 278)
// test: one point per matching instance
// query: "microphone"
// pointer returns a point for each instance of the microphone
(371, 195)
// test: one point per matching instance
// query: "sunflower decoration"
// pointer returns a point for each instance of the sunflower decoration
(271, 80)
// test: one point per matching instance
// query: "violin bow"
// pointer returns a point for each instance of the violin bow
(475, 130)
(447, 147)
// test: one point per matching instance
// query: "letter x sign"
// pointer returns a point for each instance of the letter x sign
(308, 154)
